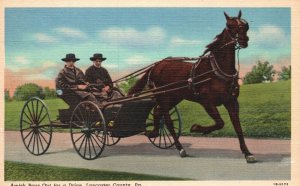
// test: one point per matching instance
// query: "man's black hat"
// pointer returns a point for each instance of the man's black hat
(97, 56)
(70, 57)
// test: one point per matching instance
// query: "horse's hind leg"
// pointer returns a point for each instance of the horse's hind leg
(157, 115)
(215, 115)
(233, 110)
(170, 126)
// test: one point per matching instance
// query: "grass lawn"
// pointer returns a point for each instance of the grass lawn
(265, 111)
(15, 171)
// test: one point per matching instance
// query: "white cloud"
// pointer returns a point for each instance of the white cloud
(177, 41)
(21, 60)
(137, 59)
(268, 36)
(110, 66)
(71, 32)
(129, 36)
(44, 38)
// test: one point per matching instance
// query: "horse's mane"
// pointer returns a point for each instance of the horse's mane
(214, 43)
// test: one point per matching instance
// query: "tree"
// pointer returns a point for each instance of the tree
(125, 86)
(261, 72)
(285, 73)
(6, 95)
(49, 93)
(25, 91)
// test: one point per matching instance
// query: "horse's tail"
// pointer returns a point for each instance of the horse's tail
(140, 84)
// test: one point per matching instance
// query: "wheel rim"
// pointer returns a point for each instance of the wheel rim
(35, 126)
(164, 139)
(88, 130)
(111, 140)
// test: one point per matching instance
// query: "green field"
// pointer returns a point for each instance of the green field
(15, 171)
(265, 111)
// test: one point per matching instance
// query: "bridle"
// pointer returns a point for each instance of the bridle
(234, 37)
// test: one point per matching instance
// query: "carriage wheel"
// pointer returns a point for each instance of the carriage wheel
(35, 126)
(88, 130)
(165, 140)
(111, 140)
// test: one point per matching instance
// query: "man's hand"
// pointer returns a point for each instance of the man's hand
(81, 87)
(106, 89)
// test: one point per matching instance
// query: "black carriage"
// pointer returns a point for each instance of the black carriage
(91, 127)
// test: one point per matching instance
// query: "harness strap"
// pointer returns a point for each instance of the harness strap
(220, 73)
(191, 82)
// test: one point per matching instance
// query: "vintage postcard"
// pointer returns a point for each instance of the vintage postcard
(125, 93)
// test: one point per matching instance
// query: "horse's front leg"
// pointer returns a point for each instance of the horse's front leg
(233, 109)
(215, 115)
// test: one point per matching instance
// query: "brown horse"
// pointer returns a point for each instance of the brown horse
(221, 87)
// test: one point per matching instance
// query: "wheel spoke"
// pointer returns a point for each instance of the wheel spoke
(41, 141)
(93, 144)
(82, 143)
(76, 116)
(168, 136)
(164, 136)
(29, 111)
(42, 129)
(96, 140)
(85, 146)
(89, 147)
(26, 122)
(79, 137)
(28, 117)
(26, 129)
(41, 111)
(33, 147)
(37, 109)
(28, 135)
(30, 140)
(40, 121)
(37, 143)
(43, 137)
(81, 114)
(32, 107)
(76, 125)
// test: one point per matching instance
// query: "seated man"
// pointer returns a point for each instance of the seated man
(70, 83)
(96, 74)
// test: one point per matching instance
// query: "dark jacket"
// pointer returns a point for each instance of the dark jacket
(98, 76)
(68, 79)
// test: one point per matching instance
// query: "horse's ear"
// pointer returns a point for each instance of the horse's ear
(240, 14)
(227, 17)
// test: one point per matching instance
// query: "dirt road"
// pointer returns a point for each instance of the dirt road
(209, 158)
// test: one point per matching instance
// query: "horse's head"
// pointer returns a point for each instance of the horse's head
(237, 29)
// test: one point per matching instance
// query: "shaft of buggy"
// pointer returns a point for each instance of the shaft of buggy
(147, 94)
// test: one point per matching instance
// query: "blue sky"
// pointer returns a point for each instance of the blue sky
(37, 38)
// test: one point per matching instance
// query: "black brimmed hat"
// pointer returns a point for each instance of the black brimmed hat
(70, 57)
(97, 56)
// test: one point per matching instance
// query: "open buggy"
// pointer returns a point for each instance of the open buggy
(91, 127)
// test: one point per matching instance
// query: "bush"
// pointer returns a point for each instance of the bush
(285, 73)
(261, 72)
(25, 91)
(126, 85)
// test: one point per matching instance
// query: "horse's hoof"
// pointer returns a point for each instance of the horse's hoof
(250, 159)
(182, 153)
